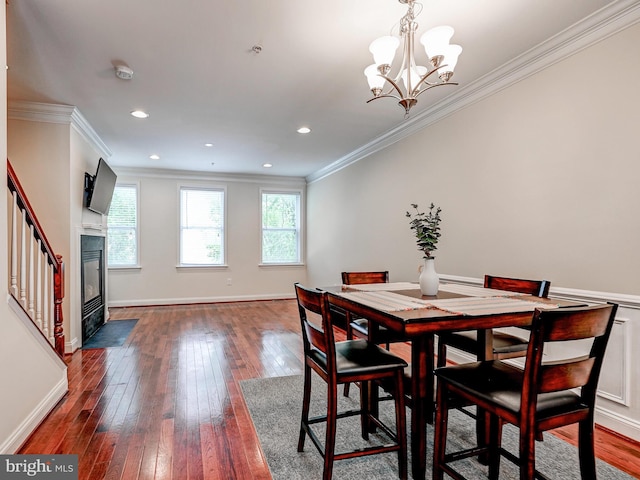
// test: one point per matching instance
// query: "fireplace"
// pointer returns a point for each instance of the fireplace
(92, 274)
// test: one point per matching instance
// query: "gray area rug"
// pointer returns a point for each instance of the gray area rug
(275, 405)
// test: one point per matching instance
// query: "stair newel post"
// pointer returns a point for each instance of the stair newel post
(58, 282)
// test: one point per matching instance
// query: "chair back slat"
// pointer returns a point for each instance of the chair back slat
(592, 323)
(360, 278)
(539, 288)
(315, 336)
(566, 327)
(565, 376)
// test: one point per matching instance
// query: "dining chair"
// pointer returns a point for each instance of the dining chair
(541, 397)
(503, 345)
(359, 327)
(356, 278)
(342, 362)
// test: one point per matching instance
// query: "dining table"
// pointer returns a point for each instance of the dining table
(416, 318)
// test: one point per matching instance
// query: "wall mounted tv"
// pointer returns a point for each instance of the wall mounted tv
(99, 188)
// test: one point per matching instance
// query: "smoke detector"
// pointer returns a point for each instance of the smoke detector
(124, 72)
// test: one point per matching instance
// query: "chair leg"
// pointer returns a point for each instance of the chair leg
(527, 453)
(305, 406)
(586, 449)
(401, 425)
(365, 409)
(345, 392)
(442, 354)
(349, 331)
(495, 442)
(440, 431)
(330, 439)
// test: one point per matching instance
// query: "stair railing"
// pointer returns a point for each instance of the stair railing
(36, 272)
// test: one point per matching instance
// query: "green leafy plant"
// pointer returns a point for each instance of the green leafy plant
(426, 227)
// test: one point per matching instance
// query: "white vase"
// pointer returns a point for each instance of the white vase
(429, 280)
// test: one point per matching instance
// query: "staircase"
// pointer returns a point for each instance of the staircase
(36, 273)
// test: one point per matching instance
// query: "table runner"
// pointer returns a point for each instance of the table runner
(474, 306)
(475, 291)
(377, 287)
(386, 301)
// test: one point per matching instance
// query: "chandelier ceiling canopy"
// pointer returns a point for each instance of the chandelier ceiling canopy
(411, 79)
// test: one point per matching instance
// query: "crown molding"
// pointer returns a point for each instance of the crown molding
(189, 175)
(602, 24)
(59, 114)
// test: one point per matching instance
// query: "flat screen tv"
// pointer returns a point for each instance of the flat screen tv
(99, 188)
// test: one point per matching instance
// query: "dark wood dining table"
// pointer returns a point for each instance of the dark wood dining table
(419, 326)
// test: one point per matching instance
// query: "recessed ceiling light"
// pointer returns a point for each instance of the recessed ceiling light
(304, 130)
(208, 144)
(140, 114)
(154, 157)
(267, 165)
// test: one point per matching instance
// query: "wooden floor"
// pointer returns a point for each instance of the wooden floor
(167, 404)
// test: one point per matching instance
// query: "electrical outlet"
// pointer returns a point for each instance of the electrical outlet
(229, 281)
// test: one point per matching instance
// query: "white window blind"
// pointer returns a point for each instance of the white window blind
(122, 223)
(201, 226)
(281, 227)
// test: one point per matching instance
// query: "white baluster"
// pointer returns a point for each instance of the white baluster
(23, 262)
(30, 293)
(14, 247)
(39, 288)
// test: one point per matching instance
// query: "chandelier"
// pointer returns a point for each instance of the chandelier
(416, 79)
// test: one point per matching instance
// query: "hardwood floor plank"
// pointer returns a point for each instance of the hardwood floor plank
(167, 405)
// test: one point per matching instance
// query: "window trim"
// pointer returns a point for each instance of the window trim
(137, 265)
(201, 187)
(301, 225)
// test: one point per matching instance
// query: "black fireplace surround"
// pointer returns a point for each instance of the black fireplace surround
(92, 274)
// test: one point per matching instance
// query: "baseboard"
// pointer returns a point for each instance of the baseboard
(21, 434)
(619, 424)
(72, 345)
(146, 302)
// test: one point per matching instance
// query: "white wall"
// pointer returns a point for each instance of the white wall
(32, 381)
(160, 281)
(537, 181)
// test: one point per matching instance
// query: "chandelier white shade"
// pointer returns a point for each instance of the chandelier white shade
(441, 57)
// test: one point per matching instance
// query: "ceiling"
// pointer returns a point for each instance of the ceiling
(196, 75)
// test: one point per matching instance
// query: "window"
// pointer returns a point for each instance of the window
(122, 224)
(281, 227)
(201, 226)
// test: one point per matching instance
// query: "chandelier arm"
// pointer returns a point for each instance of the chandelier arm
(394, 85)
(383, 95)
(431, 85)
(424, 80)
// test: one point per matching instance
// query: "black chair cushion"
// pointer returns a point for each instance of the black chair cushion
(468, 342)
(360, 357)
(504, 387)
(384, 335)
